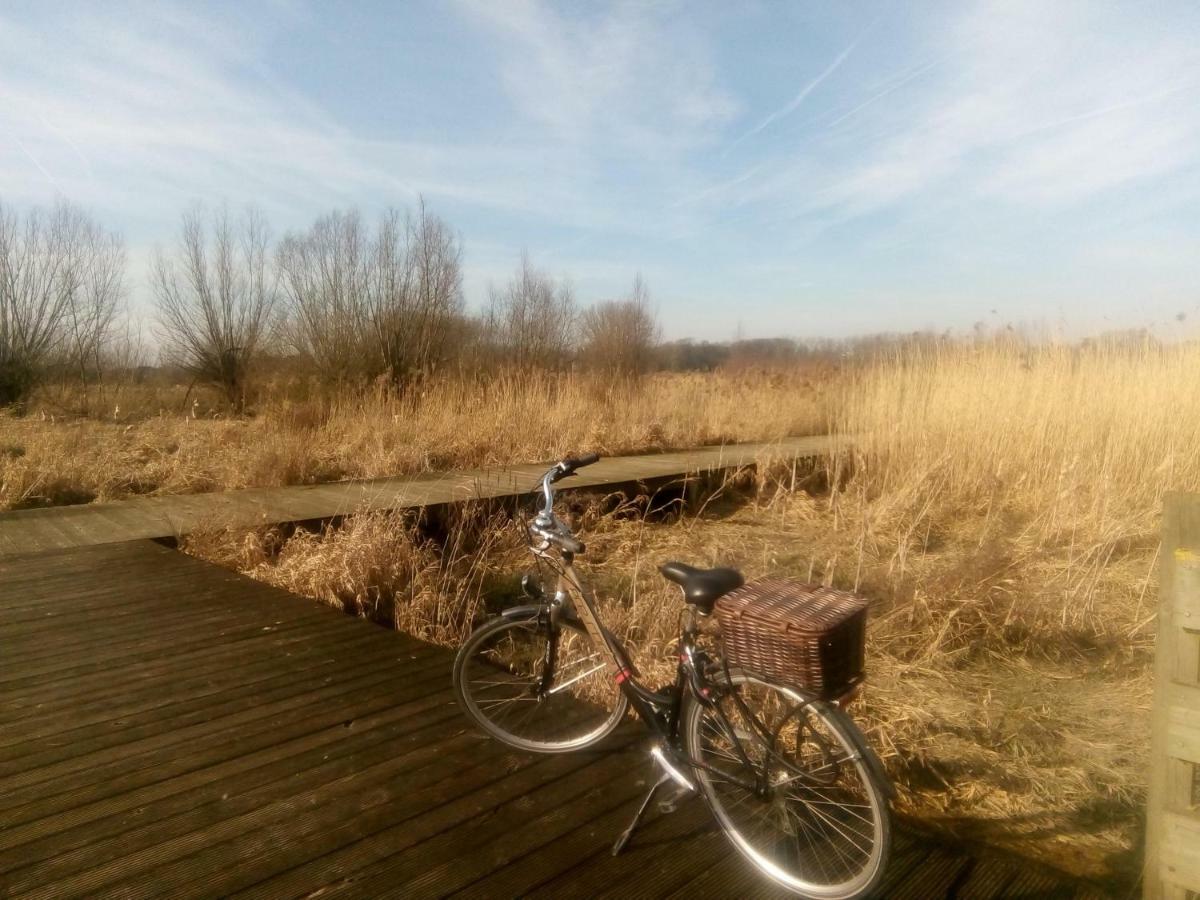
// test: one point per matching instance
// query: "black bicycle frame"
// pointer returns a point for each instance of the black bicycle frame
(659, 710)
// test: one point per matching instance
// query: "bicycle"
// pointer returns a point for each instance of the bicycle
(789, 778)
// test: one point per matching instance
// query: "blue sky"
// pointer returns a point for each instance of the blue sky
(793, 168)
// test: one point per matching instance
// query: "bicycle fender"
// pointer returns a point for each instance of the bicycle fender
(870, 757)
(522, 612)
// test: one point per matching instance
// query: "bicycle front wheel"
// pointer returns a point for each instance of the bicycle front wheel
(536, 686)
(790, 788)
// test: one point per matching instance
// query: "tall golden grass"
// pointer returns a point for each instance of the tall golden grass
(1055, 460)
(453, 423)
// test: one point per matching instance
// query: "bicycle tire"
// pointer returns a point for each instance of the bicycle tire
(580, 707)
(770, 829)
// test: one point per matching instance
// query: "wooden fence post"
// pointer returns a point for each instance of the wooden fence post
(1172, 870)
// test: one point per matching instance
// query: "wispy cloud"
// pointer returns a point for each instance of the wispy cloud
(178, 106)
(1030, 105)
(608, 80)
(794, 104)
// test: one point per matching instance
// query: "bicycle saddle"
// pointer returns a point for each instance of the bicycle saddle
(702, 586)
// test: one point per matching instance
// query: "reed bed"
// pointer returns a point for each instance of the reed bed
(306, 436)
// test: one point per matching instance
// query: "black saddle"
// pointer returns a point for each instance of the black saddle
(702, 586)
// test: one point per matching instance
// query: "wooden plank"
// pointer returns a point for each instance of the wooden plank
(1175, 718)
(934, 876)
(106, 660)
(1183, 726)
(87, 679)
(125, 728)
(82, 789)
(400, 849)
(45, 856)
(80, 823)
(1187, 652)
(1180, 850)
(987, 880)
(178, 861)
(122, 702)
(662, 855)
(732, 876)
(336, 815)
(46, 770)
(24, 531)
(543, 846)
(55, 695)
(437, 858)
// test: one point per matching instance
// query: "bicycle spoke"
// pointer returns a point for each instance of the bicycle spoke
(815, 824)
(501, 677)
(566, 684)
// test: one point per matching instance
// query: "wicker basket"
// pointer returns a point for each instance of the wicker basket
(804, 635)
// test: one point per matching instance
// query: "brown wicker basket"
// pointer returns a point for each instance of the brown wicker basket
(804, 635)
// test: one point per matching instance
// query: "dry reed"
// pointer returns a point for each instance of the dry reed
(454, 423)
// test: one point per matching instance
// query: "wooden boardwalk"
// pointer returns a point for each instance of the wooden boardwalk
(170, 728)
(177, 514)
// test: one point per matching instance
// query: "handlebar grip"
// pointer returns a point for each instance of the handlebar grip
(571, 463)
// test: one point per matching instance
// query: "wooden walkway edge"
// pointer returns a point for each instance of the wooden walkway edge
(168, 516)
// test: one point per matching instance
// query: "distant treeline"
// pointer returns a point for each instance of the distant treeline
(347, 301)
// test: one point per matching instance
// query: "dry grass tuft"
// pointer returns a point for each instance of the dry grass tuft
(383, 566)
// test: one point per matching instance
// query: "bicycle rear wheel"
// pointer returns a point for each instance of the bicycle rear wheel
(536, 687)
(803, 806)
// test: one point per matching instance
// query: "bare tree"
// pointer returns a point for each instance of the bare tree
(532, 320)
(96, 285)
(619, 336)
(325, 276)
(61, 278)
(363, 305)
(416, 293)
(216, 298)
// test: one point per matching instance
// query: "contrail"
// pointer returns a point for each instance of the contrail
(1105, 110)
(40, 167)
(794, 104)
(879, 96)
(791, 107)
(65, 138)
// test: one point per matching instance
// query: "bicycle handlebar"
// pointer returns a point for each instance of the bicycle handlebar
(546, 523)
(569, 465)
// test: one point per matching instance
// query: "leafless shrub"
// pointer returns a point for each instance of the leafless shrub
(61, 279)
(619, 336)
(324, 276)
(532, 320)
(96, 288)
(364, 306)
(415, 293)
(216, 298)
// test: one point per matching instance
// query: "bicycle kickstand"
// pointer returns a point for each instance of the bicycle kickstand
(621, 841)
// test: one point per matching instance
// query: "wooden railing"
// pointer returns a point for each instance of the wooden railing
(1173, 815)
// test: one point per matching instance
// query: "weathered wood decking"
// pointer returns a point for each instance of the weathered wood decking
(170, 516)
(170, 728)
